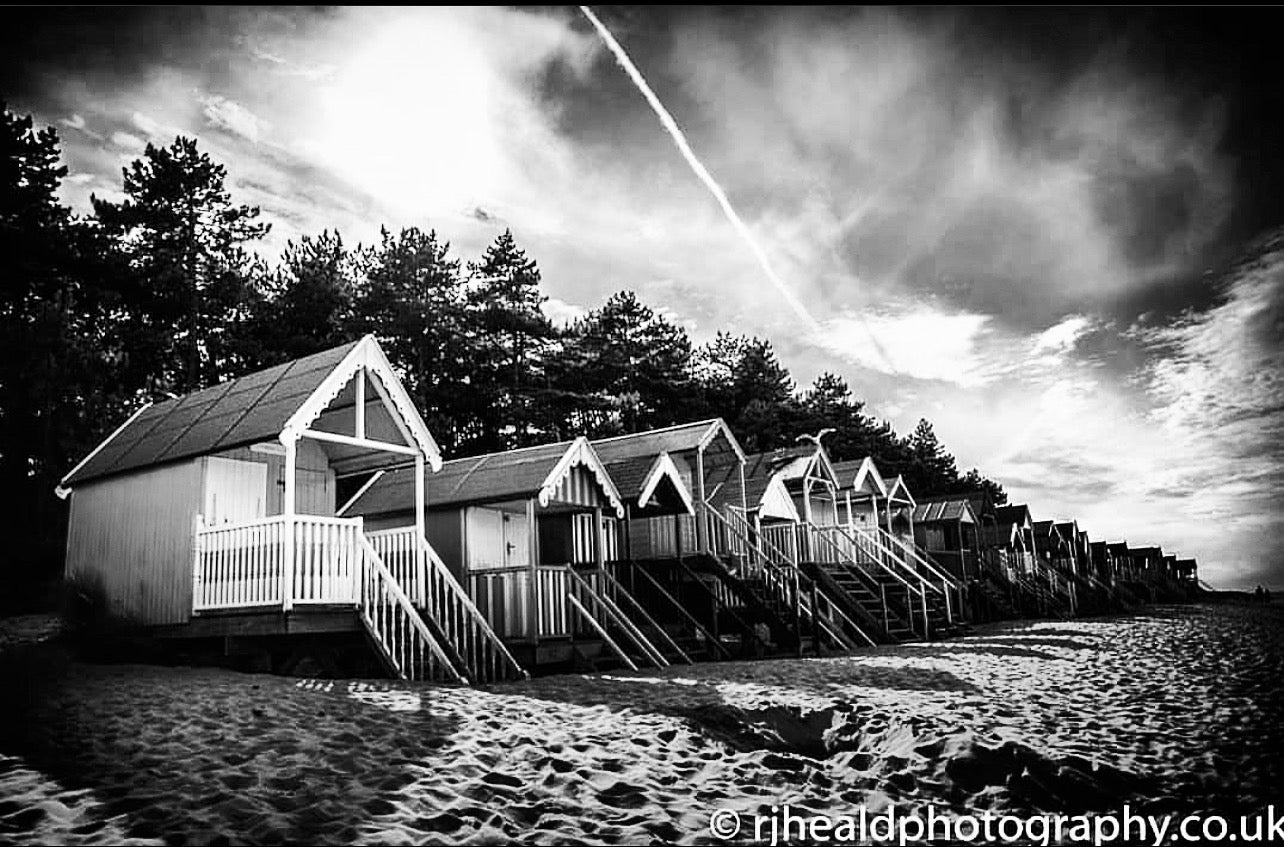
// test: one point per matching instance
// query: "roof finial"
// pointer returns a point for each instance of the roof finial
(815, 439)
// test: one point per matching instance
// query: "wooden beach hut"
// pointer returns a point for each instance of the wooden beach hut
(529, 532)
(802, 519)
(1014, 537)
(948, 530)
(897, 509)
(699, 451)
(860, 489)
(213, 515)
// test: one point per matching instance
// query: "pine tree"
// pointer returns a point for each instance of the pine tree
(305, 304)
(412, 297)
(182, 238)
(622, 368)
(58, 381)
(513, 336)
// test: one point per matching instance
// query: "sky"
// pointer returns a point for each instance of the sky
(1057, 235)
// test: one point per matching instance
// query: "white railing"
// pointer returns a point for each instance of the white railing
(398, 550)
(918, 560)
(239, 565)
(394, 624)
(433, 588)
(781, 576)
(276, 561)
(325, 560)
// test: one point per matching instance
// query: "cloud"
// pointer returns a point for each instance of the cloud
(230, 116)
(923, 342)
(129, 142)
(562, 313)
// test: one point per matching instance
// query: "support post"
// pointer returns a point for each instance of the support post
(288, 509)
(360, 427)
(599, 539)
(532, 597)
(421, 569)
(702, 533)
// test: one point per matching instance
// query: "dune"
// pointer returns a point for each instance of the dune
(1177, 709)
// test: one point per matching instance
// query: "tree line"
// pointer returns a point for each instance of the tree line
(161, 292)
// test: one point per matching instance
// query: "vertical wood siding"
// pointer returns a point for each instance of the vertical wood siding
(131, 538)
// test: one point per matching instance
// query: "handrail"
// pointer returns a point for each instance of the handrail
(395, 625)
(845, 619)
(923, 583)
(593, 622)
(922, 558)
(613, 612)
(760, 545)
(502, 658)
(621, 591)
(780, 580)
(699, 627)
(922, 592)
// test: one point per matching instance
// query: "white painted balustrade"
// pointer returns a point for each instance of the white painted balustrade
(276, 561)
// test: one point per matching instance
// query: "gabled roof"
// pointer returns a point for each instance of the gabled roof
(860, 475)
(495, 477)
(898, 491)
(261, 406)
(639, 481)
(980, 500)
(944, 510)
(671, 439)
(1118, 548)
(1013, 515)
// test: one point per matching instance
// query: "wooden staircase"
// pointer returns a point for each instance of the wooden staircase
(419, 601)
(630, 633)
(912, 606)
(781, 585)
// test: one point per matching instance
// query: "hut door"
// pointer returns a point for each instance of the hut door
(517, 542)
(235, 490)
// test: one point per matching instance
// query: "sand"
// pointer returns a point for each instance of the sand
(1177, 709)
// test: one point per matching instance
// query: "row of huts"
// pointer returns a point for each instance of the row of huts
(307, 507)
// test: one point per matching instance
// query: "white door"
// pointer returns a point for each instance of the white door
(235, 491)
(517, 542)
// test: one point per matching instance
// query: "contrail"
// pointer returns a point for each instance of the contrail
(700, 171)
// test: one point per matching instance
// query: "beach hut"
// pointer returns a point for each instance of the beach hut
(1072, 555)
(948, 530)
(700, 452)
(787, 491)
(860, 487)
(897, 509)
(529, 532)
(1120, 562)
(1014, 535)
(214, 515)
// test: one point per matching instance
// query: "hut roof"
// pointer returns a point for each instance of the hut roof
(495, 477)
(944, 510)
(249, 409)
(678, 438)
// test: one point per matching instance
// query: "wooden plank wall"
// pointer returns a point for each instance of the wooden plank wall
(131, 538)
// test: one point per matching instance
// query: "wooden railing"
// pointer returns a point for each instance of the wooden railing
(444, 602)
(393, 623)
(783, 579)
(842, 545)
(920, 561)
(398, 549)
(307, 559)
(239, 565)
(503, 596)
(276, 561)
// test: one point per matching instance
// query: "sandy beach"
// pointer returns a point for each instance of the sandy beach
(1176, 709)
